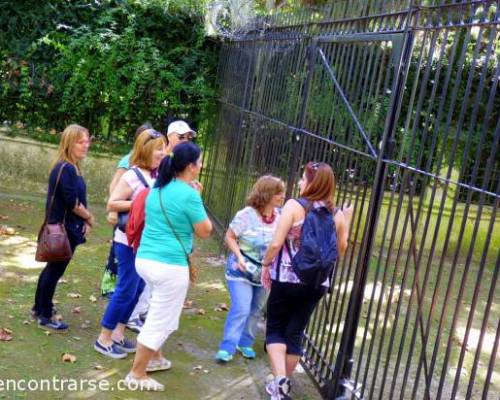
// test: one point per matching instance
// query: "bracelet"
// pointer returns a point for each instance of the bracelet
(266, 265)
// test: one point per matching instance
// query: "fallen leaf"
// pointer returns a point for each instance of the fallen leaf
(7, 230)
(62, 280)
(197, 368)
(26, 322)
(77, 310)
(47, 333)
(223, 306)
(188, 304)
(66, 357)
(4, 217)
(206, 371)
(201, 311)
(55, 301)
(98, 367)
(74, 295)
(5, 335)
(85, 325)
(77, 338)
(11, 317)
(93, 299)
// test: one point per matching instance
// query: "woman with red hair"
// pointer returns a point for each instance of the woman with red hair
(291, 301)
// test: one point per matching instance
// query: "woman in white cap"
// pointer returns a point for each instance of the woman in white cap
(177, 132)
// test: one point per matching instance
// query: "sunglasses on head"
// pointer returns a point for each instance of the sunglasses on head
(155, 134)
(315, 165)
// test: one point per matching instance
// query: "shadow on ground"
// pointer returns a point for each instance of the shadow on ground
(35, 358)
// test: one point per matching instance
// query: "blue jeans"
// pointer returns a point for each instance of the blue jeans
(128, 289)
(247, 302)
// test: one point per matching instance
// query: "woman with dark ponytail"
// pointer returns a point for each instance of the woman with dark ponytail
(174, 211)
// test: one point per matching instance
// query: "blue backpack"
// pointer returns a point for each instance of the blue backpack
(314, 261)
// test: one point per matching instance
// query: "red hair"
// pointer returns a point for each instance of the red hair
(320, 185)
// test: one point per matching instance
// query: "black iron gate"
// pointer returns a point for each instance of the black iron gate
(401, 98)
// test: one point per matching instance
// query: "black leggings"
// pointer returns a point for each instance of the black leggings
(47, 282)
(289, 308)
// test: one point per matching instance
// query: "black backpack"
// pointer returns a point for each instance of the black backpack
(314, 261)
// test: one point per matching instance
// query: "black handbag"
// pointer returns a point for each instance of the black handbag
(53, 243)
(123, 215)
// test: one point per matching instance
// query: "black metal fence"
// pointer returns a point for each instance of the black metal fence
(401, 99)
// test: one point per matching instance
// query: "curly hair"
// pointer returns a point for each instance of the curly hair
(263, 190)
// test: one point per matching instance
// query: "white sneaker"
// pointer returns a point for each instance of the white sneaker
(158, 365)
(135, 325)
(148, 384)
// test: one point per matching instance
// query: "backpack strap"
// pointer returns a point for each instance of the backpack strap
(303, 202)
(278, 264)
(140, 176)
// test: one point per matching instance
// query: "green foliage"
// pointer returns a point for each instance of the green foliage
(107, 65)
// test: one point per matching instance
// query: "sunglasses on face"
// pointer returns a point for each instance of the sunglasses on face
(185, 136)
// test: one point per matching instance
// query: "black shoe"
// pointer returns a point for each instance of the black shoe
(52, 325)
(35, 315)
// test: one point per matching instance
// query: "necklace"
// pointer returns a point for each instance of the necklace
(270, 219)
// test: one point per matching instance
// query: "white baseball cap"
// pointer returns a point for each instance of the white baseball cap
(179, 127)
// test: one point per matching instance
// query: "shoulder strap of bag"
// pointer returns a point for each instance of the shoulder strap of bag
(253, 260)
(141, 177)
(170, 225)
(51, 203)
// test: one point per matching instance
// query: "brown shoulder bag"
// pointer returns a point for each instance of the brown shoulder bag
(53, 244)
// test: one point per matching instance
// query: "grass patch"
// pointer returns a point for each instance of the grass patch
(34, 355)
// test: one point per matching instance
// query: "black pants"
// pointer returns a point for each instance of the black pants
(47, 282)
(289, 308)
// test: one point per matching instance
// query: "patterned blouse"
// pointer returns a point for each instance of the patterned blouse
(286, 273)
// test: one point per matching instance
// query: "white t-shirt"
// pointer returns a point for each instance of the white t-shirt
(137, 186)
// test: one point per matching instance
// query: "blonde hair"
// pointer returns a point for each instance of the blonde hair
(69, 137)
(263, 190)
(144, 146)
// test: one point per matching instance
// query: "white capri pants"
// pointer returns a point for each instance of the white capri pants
(169, 284)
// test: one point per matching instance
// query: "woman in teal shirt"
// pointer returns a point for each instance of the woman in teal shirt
(174, 211)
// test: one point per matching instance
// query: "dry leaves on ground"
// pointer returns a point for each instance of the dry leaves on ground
(93, 299)
(188, 304)
(7, 230)
(77, 310)
(67, 357)
(5, 335)
(74, 295)
(200, 311)
(221, 307)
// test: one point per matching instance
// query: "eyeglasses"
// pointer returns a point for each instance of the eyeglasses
(185, 136)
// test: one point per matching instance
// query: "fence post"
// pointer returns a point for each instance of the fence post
(292, 176)
(344, 363)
